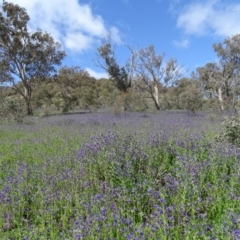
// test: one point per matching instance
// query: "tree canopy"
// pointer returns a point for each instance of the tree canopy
(25, 56)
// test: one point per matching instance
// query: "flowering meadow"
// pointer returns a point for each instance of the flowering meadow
(99, 176)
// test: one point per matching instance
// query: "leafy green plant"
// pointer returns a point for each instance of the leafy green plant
(12, 109)
(231, 130)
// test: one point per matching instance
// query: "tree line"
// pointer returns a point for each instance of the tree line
(32, 78)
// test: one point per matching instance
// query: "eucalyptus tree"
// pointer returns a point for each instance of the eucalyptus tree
(222, 78)
(144, 64)
(190, 95)
(25, 56)
(212, 81)
(76, 87)
(106, 91)
(155, 72)
(122, 76)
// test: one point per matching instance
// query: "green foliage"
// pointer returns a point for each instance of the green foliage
(64, 179)
(25, 56)
(12, 109)
(74, 87)
(106, 93)
(191, 99)
(221, 79)
(230, 130)
(185, 94)
(119, 75)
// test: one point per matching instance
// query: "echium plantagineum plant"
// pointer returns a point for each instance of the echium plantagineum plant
(70, 178)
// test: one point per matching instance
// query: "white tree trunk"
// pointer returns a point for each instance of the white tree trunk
(27, 97)
(220, 97)
(156, 94)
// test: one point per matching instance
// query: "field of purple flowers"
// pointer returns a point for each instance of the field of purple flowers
(100, 176)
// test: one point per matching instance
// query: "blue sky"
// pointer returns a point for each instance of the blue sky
(182, 29)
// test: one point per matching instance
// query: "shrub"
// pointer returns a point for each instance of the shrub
(12, 109)
(230, 130)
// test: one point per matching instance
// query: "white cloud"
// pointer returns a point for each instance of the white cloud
(77, 41)
(173, 6)
(181, 44)
(95, 74)
(114, 34)
(71, 23)
(210, 17)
